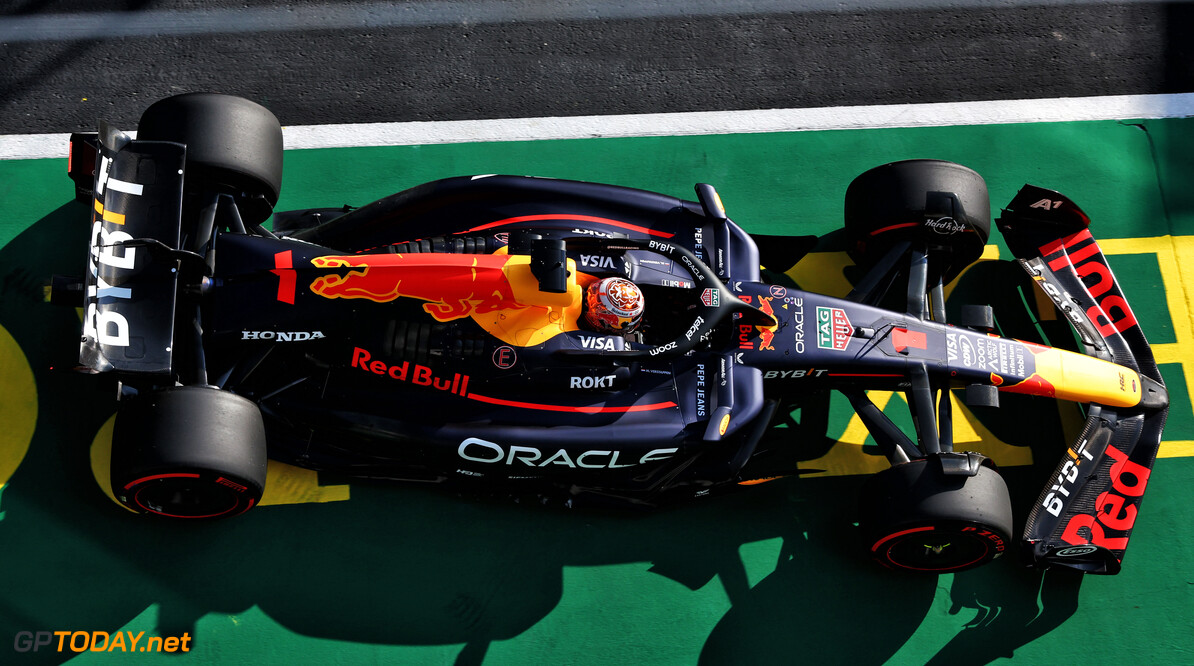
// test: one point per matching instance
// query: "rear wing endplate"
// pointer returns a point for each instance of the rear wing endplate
(136, 208)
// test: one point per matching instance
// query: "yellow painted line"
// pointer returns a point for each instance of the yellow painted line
(1176, 449)
(822, 272)
(968, 434)
(18, 408)
(1175, 258)
(287, 484)
(846, 457)
(101, 460)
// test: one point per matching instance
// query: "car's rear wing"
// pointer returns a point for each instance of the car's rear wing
(1086, 512)
(131, 279)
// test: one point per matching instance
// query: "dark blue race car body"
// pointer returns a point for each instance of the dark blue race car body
(436, 335)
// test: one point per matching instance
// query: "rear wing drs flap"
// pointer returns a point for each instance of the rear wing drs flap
(131, 287)
(1085, 514)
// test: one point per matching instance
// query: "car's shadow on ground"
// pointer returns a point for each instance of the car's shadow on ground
(411, 566)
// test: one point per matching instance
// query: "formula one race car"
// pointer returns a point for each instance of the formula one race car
(585, 341)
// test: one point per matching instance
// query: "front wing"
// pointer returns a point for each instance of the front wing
(1085, 514)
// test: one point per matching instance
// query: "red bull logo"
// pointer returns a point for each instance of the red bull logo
(766, 335)
(745, 334)
(454, 286)
(419, 375)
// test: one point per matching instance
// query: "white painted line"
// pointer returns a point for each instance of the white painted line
(299, 137)
(743, 122)
(33, 146)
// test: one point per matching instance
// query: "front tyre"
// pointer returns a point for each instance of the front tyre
(917, 518)
(939, 204)
(189, 452)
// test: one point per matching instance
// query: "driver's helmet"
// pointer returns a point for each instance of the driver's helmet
(614, 305)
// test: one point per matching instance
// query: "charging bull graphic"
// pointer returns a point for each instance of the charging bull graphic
(455, 286)
(497, 291)
(766, 334)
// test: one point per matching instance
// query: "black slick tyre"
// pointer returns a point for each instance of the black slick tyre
(189, 452)
(941, 205)
(917, 518)
(233, 145)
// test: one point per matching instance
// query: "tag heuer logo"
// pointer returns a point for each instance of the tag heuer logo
(711, 298)
(833, 328)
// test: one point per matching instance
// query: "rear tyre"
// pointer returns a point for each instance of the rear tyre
(189, 452)
(940, 204)
(917, 518)
(233, 146)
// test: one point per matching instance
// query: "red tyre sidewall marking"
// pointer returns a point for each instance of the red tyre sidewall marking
(185, 475)
(887, 553)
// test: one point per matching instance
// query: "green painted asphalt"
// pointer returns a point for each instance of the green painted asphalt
(774, 575)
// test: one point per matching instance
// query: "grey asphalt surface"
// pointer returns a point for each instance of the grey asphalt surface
(375, 62)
